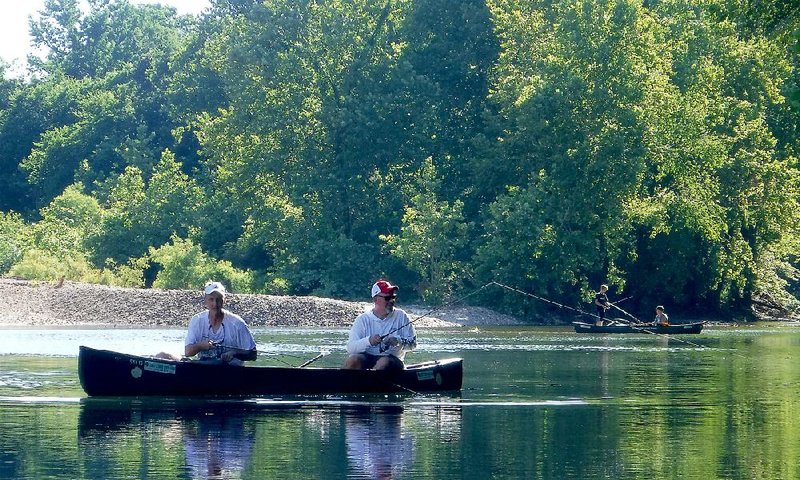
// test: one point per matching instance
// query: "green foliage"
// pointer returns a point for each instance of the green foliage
(14, 239)
(140, 214)
(38, 264)
(67, 222)
(119, 55)
(573, 154)
(311, 147)
(32, 110)
(183, 264)
(795, 92)
(432, 240)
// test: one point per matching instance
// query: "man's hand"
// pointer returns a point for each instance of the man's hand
(375, 340)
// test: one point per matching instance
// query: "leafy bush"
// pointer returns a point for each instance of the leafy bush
(14, 240)
(42, 265)
(185, 265)
(66, 222)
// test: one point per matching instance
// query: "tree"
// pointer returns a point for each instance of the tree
(433, 239)
(119, 56)
(720, 175)
(14, 240)
(32, 109)
(568, 86)
(66, 222)
(142, 213)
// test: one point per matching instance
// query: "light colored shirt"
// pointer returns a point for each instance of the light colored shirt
(233, 332)
(368, 324)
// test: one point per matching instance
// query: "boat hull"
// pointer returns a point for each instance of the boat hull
(688, 328)
(108, 373)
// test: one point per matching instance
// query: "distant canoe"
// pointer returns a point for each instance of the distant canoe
(582, 327)
(107, 373)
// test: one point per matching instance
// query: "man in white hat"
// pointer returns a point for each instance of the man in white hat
(216, 334)
(380, 337)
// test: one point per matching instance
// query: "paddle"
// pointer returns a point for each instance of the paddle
(309, 362)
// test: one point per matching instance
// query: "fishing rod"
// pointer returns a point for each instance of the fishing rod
(528, 294)
(625, 313)
(621, 300)
(444, 305)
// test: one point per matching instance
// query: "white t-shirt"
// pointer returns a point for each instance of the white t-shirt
(233, 332)
(368, 324)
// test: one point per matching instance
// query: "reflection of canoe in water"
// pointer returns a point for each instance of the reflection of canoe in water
(107, 373)
(217, 437)
(582, 327)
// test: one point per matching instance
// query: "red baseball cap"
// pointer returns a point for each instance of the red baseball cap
(384, 287)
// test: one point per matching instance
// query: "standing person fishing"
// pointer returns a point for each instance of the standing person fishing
(601, 302)
(380, 337)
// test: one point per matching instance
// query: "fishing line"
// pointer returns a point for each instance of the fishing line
(278, 355)
(444, 305)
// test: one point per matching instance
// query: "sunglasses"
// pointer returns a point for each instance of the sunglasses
(388, 297)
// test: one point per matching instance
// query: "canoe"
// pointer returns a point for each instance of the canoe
(108, 373)
(582, 327)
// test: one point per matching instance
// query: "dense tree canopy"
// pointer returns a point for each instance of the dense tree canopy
(303, 147)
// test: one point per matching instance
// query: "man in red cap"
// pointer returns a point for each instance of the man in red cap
(381, 337)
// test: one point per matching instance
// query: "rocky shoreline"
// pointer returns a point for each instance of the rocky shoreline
(71, 304)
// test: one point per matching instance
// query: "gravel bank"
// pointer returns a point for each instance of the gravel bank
(30, 303)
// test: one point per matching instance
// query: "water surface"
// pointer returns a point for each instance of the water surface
(536, 403)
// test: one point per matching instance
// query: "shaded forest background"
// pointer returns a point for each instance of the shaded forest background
(307, 148)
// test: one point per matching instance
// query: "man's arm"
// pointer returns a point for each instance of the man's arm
(358, 341)
(195, 348)
(244, 355)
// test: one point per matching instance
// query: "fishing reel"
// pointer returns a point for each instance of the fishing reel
(216, 348)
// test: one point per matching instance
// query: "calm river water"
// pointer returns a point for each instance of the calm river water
(536, 403)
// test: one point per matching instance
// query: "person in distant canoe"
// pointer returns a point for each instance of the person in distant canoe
(217, 334)
(661, 319)
(601, 302)
(380, 337)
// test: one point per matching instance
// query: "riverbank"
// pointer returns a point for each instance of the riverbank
(30, 303)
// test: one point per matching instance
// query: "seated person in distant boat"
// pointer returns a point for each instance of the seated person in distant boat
(380, 337)
(601, 302)
(216, 334)
(661, 318)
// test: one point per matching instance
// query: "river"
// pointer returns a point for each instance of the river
(537, 403)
